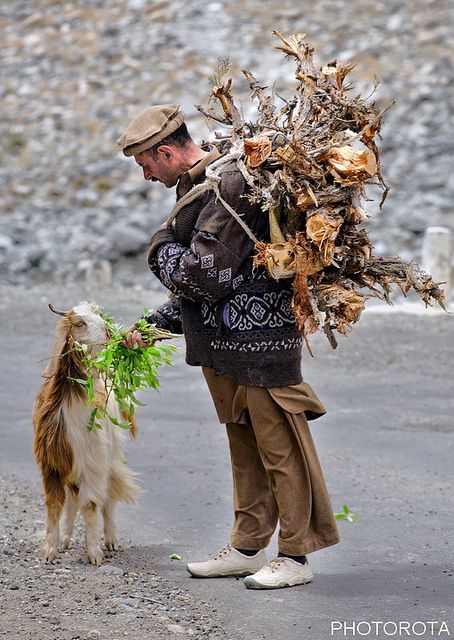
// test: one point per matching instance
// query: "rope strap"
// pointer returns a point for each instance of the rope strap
(235, 215)
(212, 184)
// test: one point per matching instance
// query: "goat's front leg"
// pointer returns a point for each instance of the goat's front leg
(54, 492)
(110, 524)
(69, 516)
(90, 515)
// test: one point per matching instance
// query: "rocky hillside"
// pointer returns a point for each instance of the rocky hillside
(74, 72)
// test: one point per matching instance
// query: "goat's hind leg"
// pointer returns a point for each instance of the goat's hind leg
(54, 492)
(121, 487)
(110, 524)
(90, 515)
(69, 515)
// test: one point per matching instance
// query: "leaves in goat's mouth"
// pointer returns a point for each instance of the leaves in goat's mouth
(122, 371)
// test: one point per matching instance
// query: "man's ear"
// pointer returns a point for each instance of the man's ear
(166, 152)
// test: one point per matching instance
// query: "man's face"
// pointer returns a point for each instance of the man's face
(162, 168)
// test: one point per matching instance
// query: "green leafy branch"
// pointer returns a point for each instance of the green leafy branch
(124, 371)
(346, 514)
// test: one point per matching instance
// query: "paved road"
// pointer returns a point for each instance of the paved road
(386, 446)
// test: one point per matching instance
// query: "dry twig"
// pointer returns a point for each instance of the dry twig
(308, 164)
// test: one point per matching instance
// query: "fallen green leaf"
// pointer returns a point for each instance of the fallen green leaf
(346, 514)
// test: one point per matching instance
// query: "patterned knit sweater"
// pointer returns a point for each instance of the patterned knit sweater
(235, 320)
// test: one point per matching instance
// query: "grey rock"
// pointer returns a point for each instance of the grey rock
(63, 113)
(114, 201)
(127, 602)
(176, 628)
(19, 264)
(143, 220)
(110, 569)
(22, 190)
(86, 197)
(128, 240)
(6, 242)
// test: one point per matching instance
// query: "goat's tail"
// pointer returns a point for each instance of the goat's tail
(122, 484)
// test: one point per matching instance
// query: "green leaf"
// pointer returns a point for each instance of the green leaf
(352, 517)
(346, 514)
(119, 423)
(175, 556)
(121, 371)
(79, 381)
(92, 419)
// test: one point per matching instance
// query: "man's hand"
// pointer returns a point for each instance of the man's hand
(132, 337)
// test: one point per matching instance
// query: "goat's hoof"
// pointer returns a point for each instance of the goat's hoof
(65, 542)
(112, 544)
(49, 553)
(95, 555)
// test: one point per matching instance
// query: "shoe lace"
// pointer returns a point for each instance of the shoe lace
(223, 552)
(275, 563)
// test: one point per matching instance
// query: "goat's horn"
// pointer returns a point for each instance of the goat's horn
(60, 313)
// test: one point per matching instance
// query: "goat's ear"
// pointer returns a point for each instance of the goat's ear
(60, 313)
(59, 348)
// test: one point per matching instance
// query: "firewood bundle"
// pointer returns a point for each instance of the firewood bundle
(307, 160)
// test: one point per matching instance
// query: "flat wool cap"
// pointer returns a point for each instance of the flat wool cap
(150, 127)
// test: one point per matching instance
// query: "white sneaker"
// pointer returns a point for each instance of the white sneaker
(228, 562)
(278, 573)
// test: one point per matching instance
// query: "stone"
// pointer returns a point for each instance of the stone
(62, 114)
(176, 628)
(136, 5)
(6, 242)
(19, 264)
(21, 190)
(437, 255)
(98, 273)
(126, 602)
(128, 240)
(110, 569)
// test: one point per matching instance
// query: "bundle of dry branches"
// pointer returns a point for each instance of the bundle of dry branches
(308, 163)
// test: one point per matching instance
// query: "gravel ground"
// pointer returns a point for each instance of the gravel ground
(74, 72)
(386, 447)
(71, 600)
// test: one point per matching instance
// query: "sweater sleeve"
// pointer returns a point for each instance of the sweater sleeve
(220, 256)
(167, 316)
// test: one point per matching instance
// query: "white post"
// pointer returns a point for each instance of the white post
(436, 256)
(98, 273)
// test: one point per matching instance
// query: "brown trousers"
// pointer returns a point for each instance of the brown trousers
(276, 471)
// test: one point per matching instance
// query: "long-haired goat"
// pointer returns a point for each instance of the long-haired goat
(81, 469)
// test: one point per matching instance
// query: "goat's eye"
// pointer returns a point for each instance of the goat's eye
(81, 323)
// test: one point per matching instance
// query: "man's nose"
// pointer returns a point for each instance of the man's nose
(147, 173)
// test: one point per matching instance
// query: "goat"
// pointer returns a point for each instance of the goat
(81, 469)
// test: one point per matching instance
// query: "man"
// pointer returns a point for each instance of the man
(239, 328)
